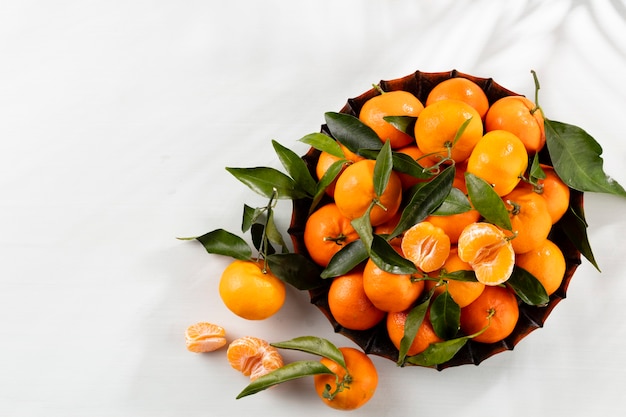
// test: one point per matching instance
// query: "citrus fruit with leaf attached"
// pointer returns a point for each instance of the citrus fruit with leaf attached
(546, 263)
(253, 357)
(500, 159)
(355, 192)
(462, 89)
(462, 292)
(426, 245)
(437, 127)
(204, 337)
(391, 103)
(390, 292)
(326, 160)
(530, 220)
(418, 156)
(349, 304)
(488, 251)
(326, 232)
(250, 290)
(520, 116)
(554, 191)
(423, 338)
(350, 387)
(495, 310)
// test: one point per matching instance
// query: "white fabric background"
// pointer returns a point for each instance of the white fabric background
(117, 119)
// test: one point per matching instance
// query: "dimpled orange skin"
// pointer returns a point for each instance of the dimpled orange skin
(462, 89)
(546, 263)
(530, 219)
(390, 292)
(361, 387)
(354, 192)
(498, 302)
(349, 304)
(392, 103)
(326, 232)
(500, 159)
(437, 126)
(424, 337)
(249, 292)
(516, 114)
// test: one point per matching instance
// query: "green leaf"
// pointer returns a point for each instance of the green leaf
(445, 316)
(221, 242)
(314, 345)
(346, 259)
(382, 169)
(536, 172)
(323, 143)
(296, 270)
(250, 216)
(296, 167)
(461, 275)
(329, 176)
(351, 132)
(527, 287)
(438, 353)
(402, 163)
(363, 226)
(388, 259)
(264, 181)
(404, 124)
(428, 197)
(272, 232)
(574, 226)
(285, 373)
(411, 325)
(576, 159)
(487, 201)
(263, 245)
(456, 202)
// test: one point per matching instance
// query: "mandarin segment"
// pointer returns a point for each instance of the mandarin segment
(204, 337)
(253, 357)
(426, 245)
(489, 252)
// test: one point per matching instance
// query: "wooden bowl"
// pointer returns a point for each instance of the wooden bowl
(376, 341)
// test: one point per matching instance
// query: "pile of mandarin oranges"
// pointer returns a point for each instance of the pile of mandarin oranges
(458, 258)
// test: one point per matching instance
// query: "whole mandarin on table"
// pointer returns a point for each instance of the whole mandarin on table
(358, 380)
(251, 291)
